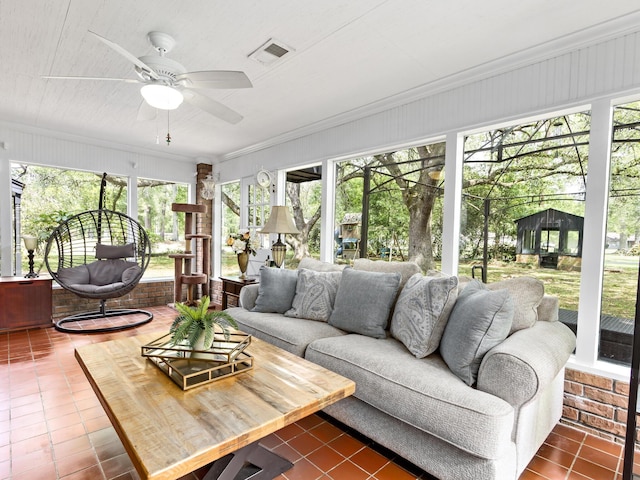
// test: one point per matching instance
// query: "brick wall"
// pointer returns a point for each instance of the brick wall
(146, 294)
(596, 404)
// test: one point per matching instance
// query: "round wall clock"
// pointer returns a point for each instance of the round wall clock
(263, 178)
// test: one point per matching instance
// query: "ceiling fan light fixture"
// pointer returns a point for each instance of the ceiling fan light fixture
(162, 96)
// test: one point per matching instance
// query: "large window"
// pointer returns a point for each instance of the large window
(164, 227)
(398, 197)
(230, 223)
(622, 246)
(51, 195)
(524, 188)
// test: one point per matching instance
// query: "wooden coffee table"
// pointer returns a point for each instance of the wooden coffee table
(169, 432)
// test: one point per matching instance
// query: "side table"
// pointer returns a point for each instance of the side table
(25, 303)
(231, 287)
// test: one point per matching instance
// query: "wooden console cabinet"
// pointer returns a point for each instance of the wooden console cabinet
(25, 303)
(231, 287)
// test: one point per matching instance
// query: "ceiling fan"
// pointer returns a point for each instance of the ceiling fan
(166, 83)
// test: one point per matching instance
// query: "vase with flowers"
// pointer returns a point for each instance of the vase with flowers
(242, 245)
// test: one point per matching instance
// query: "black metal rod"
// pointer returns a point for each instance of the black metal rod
(364, 222)
(630, 436)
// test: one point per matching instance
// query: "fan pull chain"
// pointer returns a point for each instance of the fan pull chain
(157, 128)
(168, 134)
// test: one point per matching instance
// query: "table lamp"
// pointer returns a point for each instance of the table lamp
(280, 221)
(30, 243)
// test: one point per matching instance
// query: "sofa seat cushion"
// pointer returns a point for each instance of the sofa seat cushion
(421, 392)
(291, 334)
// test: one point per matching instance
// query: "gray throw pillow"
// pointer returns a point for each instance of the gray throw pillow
(315, 295)
(480, 320)
(422, 311)
(276, 290)
(363, 302)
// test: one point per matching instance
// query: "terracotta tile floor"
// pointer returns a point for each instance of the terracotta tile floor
(53, 427)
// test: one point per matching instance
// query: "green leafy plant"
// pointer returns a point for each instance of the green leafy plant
(196, 321)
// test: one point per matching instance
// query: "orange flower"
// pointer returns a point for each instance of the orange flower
(230, 241)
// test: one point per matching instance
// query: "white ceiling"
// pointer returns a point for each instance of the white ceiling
(348, 54)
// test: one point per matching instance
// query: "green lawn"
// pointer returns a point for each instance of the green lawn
(619, 283)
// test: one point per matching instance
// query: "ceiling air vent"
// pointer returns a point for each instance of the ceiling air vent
(270, 52)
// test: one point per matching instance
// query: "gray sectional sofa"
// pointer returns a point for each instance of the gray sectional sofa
(459, 404)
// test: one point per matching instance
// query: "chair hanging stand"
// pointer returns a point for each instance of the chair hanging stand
(99, 254)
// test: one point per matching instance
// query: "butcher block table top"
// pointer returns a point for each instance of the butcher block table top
(169, 432)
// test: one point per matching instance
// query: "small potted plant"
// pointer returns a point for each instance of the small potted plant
(197, 325)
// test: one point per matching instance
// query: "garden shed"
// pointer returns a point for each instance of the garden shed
(551, 238)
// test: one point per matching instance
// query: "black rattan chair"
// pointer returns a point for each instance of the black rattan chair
(99, 254)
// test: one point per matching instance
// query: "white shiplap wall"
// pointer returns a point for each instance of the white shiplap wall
(40, 147)
(567, 80)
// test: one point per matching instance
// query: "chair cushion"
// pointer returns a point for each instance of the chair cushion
(74, 275)
(104, 272)
(276, 290)
(115, 251)
(480, 320)
(131, 273)
(363, 302)
(422, 311)
(315, 295)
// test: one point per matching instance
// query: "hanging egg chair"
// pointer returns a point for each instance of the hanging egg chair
(99, 254)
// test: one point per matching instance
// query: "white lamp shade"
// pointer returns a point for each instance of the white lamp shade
(280, 221)
(30, 242)
(162, 96)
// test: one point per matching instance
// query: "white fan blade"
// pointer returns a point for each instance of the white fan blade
(128, 80)
(211, 106)
(129, 56)
(146, 112)
(215, 79)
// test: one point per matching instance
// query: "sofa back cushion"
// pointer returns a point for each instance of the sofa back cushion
(405, 269)
(422, 311)
(276, 290)
(318, 266)
(480, 320)
(315, 295)
(526, 293)
(363, 302)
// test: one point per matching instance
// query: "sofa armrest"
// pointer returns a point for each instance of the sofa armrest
(526, 362)
(248, 295)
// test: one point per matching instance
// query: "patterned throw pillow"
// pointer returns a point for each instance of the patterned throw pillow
(315, 294)
(422, 311)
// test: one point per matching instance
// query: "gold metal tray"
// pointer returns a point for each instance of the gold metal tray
(190, 368)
